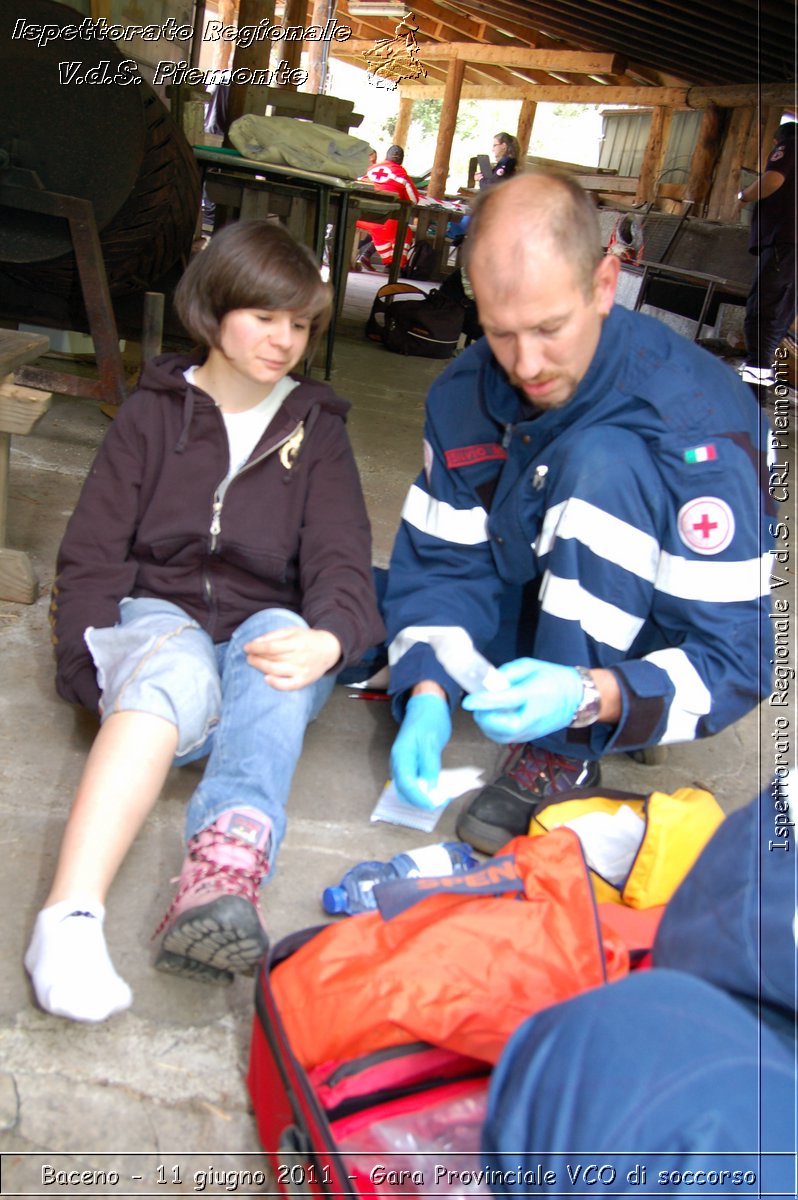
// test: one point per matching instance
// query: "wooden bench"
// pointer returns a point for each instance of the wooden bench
(20, 409)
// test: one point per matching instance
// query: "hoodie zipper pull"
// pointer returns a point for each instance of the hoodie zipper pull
(216, 522)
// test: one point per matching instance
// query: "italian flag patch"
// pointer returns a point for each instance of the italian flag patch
(700, 454)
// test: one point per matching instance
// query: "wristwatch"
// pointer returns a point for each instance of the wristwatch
(741, 196)
(588, 710)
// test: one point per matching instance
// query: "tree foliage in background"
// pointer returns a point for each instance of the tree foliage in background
(427, 115)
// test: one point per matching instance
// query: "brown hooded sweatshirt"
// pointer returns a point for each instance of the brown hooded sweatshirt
(291, 530)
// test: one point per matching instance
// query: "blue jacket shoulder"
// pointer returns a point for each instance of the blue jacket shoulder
(686, 384)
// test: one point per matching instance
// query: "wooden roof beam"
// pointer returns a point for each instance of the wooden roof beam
(531, 37)
(466, 28)
(480, 76)
(514, 28)
(581, 62)
(369, 30)
(646, 75)
(725, 96)
(433, 21)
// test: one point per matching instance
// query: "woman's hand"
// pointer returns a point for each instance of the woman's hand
(292, 658)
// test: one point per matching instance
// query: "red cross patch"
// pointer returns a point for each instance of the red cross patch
(706, 524)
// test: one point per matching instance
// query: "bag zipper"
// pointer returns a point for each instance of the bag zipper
(356, 1066)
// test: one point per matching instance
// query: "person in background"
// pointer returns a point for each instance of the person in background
(217, 121)
(388, 176)
(212, 581)
(217, 110)
(505, 154)
(770, 307)
(590, 511)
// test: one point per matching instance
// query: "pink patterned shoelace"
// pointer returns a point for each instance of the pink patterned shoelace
(203, 864)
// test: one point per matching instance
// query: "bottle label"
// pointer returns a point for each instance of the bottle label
(431, 860)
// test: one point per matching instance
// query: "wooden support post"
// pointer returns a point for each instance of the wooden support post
(704, 160)
(296, 12)
(723, 205)
(198, 29)
(20, 409)
(250, 58)
(317, 61)
(526, 119)
(654, 155)
(443, 149)
(226, 15)
(403, 122)
(152, 326)
(769, 121)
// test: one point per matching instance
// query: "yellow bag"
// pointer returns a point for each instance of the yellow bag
(677, 827)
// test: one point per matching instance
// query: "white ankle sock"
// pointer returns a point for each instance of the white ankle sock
(68, 962)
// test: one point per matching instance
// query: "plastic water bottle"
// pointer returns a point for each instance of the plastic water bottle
(355, 892)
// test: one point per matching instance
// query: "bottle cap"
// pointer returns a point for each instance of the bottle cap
(334, 900)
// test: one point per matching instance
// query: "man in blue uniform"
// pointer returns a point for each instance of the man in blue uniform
(770, 308)
(590, 512)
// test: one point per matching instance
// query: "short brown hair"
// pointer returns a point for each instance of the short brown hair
(251, 264)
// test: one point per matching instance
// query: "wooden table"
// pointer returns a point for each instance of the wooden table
(442, 213)
(421, 215)
(20, 409)
(704, 292)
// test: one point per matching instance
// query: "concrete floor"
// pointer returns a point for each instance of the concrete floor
(165, 1081)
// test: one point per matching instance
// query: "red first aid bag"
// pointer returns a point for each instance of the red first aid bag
(458, 962)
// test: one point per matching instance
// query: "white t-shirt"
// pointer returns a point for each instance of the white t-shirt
(244, 429)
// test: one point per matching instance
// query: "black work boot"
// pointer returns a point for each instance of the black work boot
(531, 776)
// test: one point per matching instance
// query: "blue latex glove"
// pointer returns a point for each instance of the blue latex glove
(416, 753)
(542, 698)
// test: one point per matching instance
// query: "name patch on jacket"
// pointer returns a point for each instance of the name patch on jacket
(466, 456)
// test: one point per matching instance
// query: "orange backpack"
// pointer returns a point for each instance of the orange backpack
(471, 958)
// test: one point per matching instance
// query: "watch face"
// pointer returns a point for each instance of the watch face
(588, 710)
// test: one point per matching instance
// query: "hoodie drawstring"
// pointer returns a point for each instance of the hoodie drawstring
(188, 413)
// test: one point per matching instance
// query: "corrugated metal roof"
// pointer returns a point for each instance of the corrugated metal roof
(701, 41)
(697, 42)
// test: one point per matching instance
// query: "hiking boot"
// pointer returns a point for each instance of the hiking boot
(531, 776)
(213, 926)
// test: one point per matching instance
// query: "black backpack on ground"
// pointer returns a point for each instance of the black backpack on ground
(429, 326)
(420, 261)
(452, 288)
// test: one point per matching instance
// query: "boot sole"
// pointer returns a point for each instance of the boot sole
(214, 940)
(189, 968)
